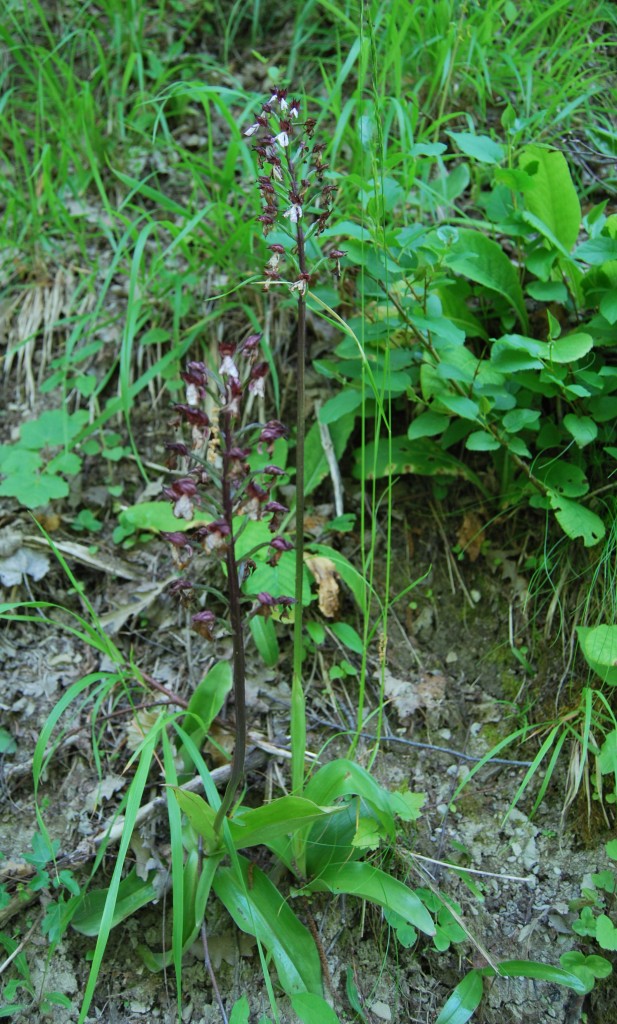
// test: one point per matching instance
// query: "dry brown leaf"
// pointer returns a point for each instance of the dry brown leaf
(470, 536)
(326, 577)
(411, 695)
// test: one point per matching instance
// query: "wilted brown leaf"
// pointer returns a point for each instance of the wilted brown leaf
(471, 535)
(326, 576)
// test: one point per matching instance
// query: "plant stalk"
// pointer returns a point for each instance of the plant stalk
(235, 616)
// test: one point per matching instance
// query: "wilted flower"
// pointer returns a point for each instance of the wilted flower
(181, 550)
(203, 622)
(279, 545)
(271, 433)
(214, 535)
(181, 492)
(257, 380)
(294, 213)
(196, 417)
(183, 590)
(277, 511)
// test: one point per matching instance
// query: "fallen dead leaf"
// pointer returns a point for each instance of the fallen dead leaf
(470, 535)
(411, 695)
(326, 577)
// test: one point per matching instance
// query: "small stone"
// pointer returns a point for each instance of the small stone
(451, 657)
(381, 1010)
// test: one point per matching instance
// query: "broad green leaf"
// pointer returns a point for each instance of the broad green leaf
(258, 908)
(264, 635)
(553, 196)
(337, 840)
(341, 405)
(66, 462)
(482, 260)
(373, 884)
(208, 698)
(537, 971)
(278, 580)
(570, 347)
(460, 406)
(577, 521)
(597, 251)
(583, 429)
(133, 893)
(348, 636)
(423, 457)
(240, 1011)
(611, 849)
(480, 147)
(255, 826)
(521, 419)
(599, 646)
(200, 815)
(313, 1009)
(482, 441)
(564, 477)
(427, 424)
(158, 517)
(608, 306)
(345, 778)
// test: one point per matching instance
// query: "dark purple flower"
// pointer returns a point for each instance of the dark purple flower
(183, 590)
(279, 545)
(192, 415)
(271, 432)
(277, 511)
(203, 622)
(185, 487)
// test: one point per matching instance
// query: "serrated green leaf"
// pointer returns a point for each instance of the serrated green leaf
(53, 428)
(34, 491)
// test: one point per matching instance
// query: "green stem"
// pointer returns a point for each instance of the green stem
(298, 711)
(235, 615)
